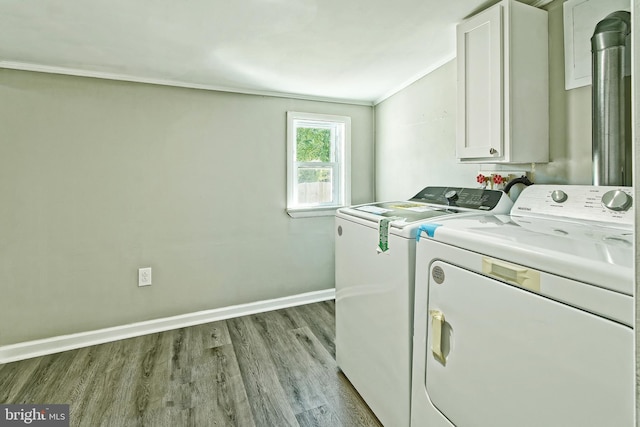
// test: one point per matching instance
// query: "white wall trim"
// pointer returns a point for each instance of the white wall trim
(29, 349)
(23, 66)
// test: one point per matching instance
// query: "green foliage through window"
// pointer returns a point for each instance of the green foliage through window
(313, 145)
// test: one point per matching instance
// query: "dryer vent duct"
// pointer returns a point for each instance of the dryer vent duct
(610, 48)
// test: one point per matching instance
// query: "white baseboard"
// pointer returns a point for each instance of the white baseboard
(29, 349)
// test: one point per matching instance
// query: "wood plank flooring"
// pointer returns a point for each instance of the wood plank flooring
(269, 369)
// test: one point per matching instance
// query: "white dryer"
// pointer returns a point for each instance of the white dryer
(375, 265)
(527, 319)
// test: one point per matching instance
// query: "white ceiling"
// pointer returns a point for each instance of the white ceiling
(349, 50)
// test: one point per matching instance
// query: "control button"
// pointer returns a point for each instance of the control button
(451, 195)
(559, 196)
(616, 200)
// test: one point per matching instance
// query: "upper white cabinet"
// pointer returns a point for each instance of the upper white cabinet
(503, 80)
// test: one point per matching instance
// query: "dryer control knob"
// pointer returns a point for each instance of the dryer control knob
(559, 196)
(616, 200)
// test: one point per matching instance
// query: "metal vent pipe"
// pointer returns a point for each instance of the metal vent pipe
(611, 162)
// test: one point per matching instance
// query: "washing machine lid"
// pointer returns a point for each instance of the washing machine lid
(583, 251)
(404, 213)
(431, 203)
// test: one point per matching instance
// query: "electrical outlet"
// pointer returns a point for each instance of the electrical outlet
(144, 276)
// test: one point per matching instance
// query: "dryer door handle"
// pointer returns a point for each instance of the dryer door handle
(518, 275)
(437, 323)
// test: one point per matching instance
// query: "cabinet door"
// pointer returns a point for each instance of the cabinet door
(480, 88)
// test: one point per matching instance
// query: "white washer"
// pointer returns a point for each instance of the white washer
(527, 319)
(374, 290)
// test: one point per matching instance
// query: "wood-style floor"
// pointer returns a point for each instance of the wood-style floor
(269, 369)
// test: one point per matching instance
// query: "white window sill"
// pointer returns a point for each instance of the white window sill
(312, 212)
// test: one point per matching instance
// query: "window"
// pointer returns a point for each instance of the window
(318, 157)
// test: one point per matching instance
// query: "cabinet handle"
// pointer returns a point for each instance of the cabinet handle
(492, 151)
(437, 322)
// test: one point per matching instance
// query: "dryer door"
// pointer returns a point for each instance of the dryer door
(499, 355)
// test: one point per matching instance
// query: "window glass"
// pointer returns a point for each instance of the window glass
(315, 186)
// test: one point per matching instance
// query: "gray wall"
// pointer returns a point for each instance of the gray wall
(415, 138)
(416, 130)
(99, 178)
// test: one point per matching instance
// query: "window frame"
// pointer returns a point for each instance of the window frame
(341, 166)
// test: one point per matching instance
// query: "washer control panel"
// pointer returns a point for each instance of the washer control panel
(584, 202)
